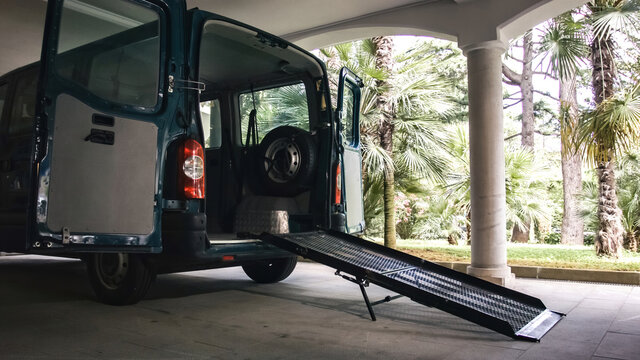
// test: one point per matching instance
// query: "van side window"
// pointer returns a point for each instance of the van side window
(348, 137)
(114, 51)
(211, 123)
(24, 104)
(279, 106)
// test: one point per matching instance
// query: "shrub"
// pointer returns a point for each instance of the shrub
(409, 215)
(553, 238)
(589, 238)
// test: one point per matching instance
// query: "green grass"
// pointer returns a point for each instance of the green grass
(557, 256)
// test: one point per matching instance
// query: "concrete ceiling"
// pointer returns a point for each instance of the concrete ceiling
(313, 24)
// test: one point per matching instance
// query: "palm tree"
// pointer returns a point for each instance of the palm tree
(384, 62)
(413, 98)
(458, 181)
(606, 133)
(606, 16)
(525, 205)
(522, 181)
(603, 20)
(564, 45)
(629, 199)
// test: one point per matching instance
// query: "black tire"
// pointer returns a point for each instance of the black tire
(286, 161)
(271, 270)
(119, 278)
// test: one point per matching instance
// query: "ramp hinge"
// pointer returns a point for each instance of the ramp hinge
(66, 235)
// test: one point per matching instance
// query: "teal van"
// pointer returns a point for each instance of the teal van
(151, 139)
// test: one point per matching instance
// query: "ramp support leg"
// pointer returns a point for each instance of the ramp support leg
(366, 300)
(362, 283)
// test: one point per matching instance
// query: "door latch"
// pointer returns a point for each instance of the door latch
(66, 235)
(186, 84)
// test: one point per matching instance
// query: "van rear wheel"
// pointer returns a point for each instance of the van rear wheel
(119, 278)
(270, 270)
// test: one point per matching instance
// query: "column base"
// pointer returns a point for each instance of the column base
(501, 276)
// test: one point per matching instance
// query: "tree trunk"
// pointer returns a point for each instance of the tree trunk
(609, 237)
(526, 86)
(525, 81)
(572, 223)
(384, 62)
(521, 235)
(528, 121)
(631, 241)
(452, 240)
(389, 210)
(603, 73)
(469, 226)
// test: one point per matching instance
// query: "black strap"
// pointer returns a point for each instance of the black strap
(252, 131)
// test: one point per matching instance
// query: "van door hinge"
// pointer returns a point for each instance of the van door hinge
(186, 84)
(66, 235)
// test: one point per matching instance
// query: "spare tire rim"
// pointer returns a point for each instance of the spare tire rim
(282, 160)
(112, 269)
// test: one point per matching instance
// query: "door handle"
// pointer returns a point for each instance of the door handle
(101, 137)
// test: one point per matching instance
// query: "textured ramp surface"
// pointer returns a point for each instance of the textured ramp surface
(498, 308)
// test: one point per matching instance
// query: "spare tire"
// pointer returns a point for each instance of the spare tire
(286, 161)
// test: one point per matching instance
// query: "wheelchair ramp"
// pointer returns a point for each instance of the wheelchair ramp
(498, 308)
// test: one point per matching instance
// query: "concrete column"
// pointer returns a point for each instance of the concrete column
(486, 140)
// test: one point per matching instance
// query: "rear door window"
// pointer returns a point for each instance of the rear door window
(114, 51)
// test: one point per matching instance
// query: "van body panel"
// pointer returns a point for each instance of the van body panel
(120, 161)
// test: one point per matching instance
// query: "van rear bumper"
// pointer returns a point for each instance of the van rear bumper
(184, 234)
(186, 247)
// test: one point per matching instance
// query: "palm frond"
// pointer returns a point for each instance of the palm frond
(375, 160)
(344, 51)
(612, 128)
(619, 16)
(563, 43)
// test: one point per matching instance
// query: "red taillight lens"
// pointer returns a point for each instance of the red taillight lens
(338, 187)
(191, 169)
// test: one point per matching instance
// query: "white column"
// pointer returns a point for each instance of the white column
(486, 138)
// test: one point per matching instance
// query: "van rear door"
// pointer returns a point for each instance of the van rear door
(103, 108)
(348, 110)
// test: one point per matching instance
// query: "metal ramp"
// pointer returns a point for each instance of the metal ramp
(498, 308)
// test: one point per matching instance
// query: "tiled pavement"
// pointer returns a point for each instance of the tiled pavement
(47, 311)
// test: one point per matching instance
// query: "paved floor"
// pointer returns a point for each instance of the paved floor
(47, 311)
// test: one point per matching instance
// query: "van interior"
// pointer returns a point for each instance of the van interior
(260, 118)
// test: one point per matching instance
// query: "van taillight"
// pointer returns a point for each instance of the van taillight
(338, 187)
(191, 169)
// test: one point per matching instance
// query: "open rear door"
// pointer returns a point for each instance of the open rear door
(103, 105)
(348, 110)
